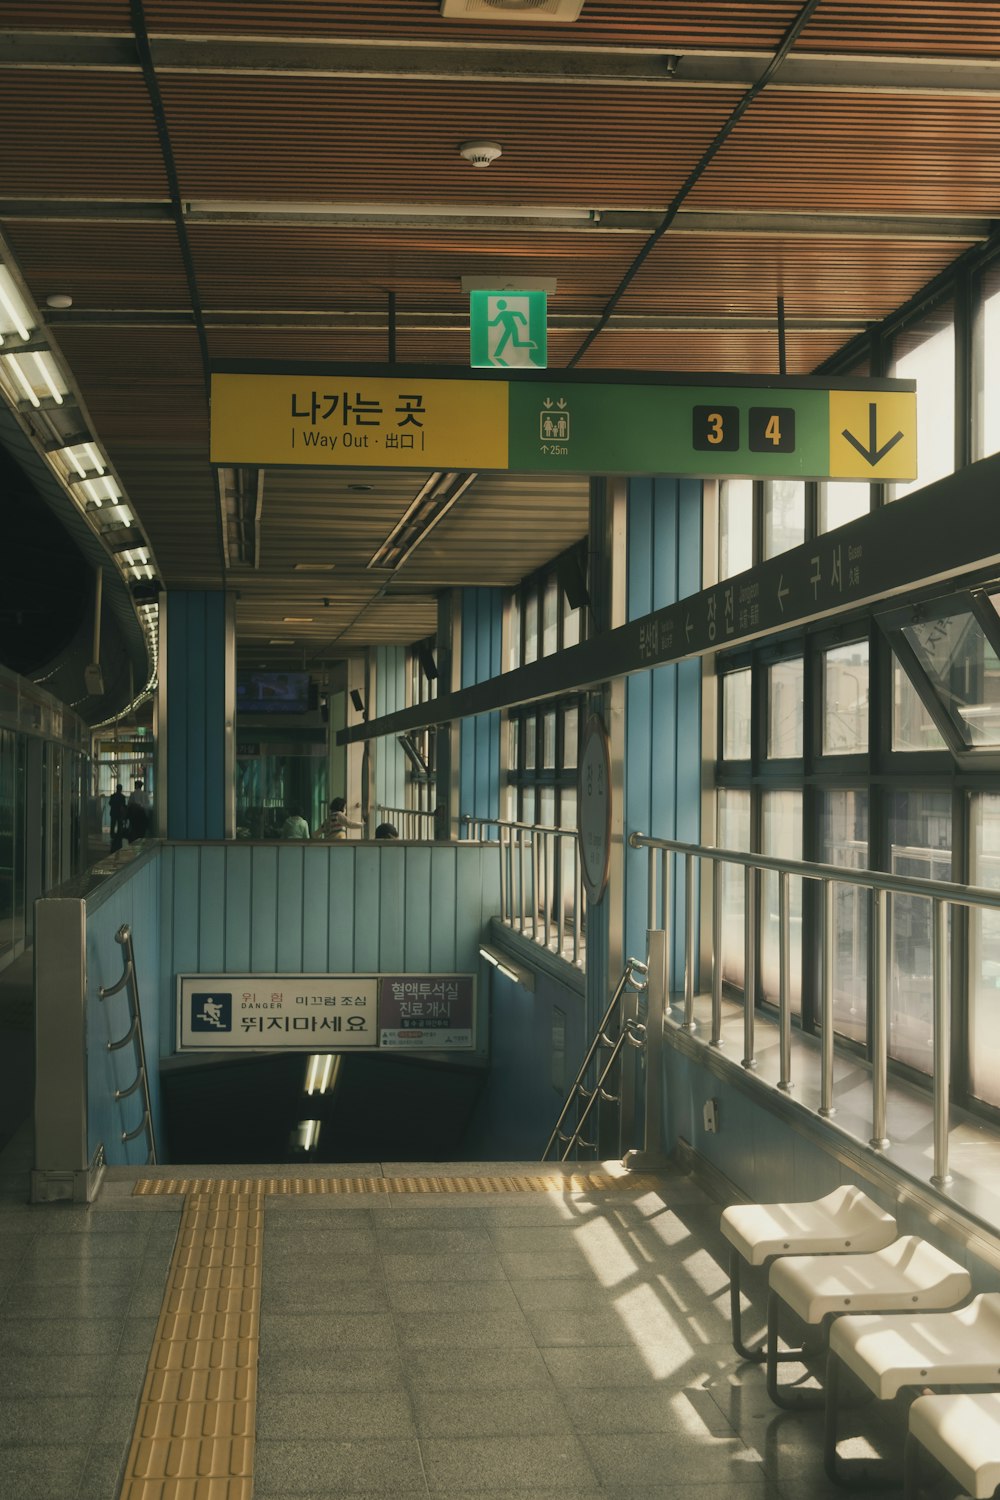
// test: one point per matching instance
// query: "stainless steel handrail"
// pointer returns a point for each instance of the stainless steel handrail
(541, 881)
(883, 889)
(634, 977)
(412, 822)
(134, 1034)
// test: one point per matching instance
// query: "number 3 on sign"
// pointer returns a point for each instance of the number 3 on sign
(715, 429)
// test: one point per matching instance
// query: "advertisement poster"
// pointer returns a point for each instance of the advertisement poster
(426, 1011)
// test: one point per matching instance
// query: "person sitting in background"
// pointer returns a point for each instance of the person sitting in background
(336, 823)
(387, 831)
(295, 825)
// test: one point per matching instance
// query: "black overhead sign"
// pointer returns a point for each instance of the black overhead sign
(944, 531)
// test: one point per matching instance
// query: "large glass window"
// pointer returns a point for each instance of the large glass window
(986, 425)
(845, 699)
(736, 715)
(733, 833)
(984, 952)
(781, 837)
(844, 841)
(784, 709)
(784, 515)
(912, 726)
(926, 353)
(919, 844)
(841, 501)
(735, 527)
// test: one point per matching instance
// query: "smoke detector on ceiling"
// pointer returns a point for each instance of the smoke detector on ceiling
(515, 12)
(480, 153)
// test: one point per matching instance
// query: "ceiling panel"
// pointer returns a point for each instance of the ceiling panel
(112, 266)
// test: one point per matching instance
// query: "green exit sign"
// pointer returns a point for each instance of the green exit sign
(508, 330)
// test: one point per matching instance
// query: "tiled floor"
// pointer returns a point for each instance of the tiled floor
(532, 1345)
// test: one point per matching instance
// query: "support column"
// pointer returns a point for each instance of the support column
(196, 788)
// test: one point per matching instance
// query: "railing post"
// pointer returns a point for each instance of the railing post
(577, 901)
(504, 892)
(520, 878)
(784, 997)
(942, 1046)
(880, 1019)
(651, 920)
(826, 1106)
(651, 1156)
(717, 872)
(547, 863)
(749, 1060)
(689, 943)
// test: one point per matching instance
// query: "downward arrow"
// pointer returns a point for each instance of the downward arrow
(873, 454)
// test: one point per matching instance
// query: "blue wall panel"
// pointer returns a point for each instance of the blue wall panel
(663, 707)
(263, 907)
(187, 907)
(315, 910)
(479, 765)
(342, 909)
(367, 916)
(196, 710)
(288, 953)
(239, 917)
(443, 885)
(417, 909)
(392, 892)
(390, 696)
(212, 908)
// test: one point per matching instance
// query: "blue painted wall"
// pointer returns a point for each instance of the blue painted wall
(390, 697)
(135, 901)
(663, 706)
(479, 767)
(336, 908)
(519, 1105)
(196, 714)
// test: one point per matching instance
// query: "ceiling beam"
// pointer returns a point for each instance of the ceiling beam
(495, 220)
(589, 67)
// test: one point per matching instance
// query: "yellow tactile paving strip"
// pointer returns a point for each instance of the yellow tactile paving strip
(579, 1182)
(194, 1435)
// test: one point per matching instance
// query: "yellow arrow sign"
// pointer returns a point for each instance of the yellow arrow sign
(873, 435)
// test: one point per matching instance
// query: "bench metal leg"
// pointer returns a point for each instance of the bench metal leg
(783, 1397)
(859, 1473)
(757, 1355)
(911, 1468)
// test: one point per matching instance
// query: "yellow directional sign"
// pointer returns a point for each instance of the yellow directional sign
(358, 419)
(873, 435)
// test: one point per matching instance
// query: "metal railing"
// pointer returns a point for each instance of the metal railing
(882, 890)
(630, 1031)
(410, 822)
(134, 1035)
(541, 882)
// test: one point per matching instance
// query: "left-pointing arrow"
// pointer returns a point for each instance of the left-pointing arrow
(873, 454)
(783, 592)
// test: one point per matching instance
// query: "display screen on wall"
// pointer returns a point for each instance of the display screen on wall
(272, 692)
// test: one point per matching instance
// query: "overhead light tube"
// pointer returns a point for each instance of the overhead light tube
(10, 360)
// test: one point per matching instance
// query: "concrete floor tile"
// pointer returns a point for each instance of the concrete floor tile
(35, 1374)
(452, 1296)
(610, 1368)
(69, 1301)
(117, 1419)
(439, 1243)
(549, 1265)
(644, 1458)
(580, 1294)
(463, 1330)
(569, 1327)
(476, 1369)
(89, 1221)
(317, 1241)
(137, 1334)
(429, 1214)
(52, 1336)
(322, 1294)
(538, 1240)
(325, 1370)
(61, 1419)
(42, 1473)
(336, 1416)
(479, 1266)
(103, 1471)
(501, 1413)
(514, 1463)
(333, 1469)
(278, 1269)
(72, 1272)
(294, 1333)
(119, 1244)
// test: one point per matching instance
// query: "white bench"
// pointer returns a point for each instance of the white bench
(908, 1275)
(963, 1433)
(845, 1219)
(891, 1351)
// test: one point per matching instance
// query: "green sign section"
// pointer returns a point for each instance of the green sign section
(700, 430)
(508, 330)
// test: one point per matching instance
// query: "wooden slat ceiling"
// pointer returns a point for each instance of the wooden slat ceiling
(842, 198)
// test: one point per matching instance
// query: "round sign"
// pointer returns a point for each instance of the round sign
(594, 804)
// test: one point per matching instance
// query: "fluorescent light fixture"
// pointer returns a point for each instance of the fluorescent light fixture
(43, 370)
(433, 502)
(114, 493)
(282, 640)
(326, 210)
(305, 1135)
(312, 567)
(297, 619)
(12, 364)
(88, 485)
(10, 301)
(78, 466)
(322, 1070)
(96, 461)
(514, 972)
